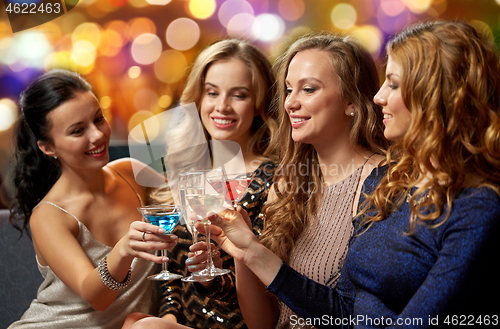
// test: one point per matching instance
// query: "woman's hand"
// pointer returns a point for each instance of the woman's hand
(197, 260)
(231, 231)
(144, 238)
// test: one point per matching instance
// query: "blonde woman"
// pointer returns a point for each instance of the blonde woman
(232, 85)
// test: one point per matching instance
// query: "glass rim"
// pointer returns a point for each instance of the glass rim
(159, 206)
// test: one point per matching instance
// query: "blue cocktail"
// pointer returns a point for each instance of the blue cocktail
(167, 217)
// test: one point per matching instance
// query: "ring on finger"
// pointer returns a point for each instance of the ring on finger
(144, 236)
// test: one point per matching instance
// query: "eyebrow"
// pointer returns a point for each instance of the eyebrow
(233, 88)
(80, 122)
(303, 80)
(388, 76)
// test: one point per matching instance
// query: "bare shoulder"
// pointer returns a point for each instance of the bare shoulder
(49, 224)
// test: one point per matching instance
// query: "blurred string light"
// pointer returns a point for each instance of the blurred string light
(146, 48)
(240, 26)
(183, 34)
(371, 37)
(343, 16)
(24, 50)
(170, 66)
(134, 72)
(8, 114)
(268, 27)
(120, 27)
(291, 10)
(202, 9)
(87, 31)
(105, 102)
(141, 25)
(231, 8)
(393, 24)
(158, 2)
(392, 7)
(138, 3)
(165, 101)
(417, 6)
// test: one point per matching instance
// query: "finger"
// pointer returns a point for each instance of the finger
(146, 227)
(149, 237)
(245, 216)
(152, 257)
(139, 246)
(214, 229)
(201, 246)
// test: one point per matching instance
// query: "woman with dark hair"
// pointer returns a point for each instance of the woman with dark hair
(424, 246)
(81, 210)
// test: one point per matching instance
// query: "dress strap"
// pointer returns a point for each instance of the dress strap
(53, 204)
(133, 189)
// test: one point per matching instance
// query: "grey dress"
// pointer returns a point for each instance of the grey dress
(57, 306)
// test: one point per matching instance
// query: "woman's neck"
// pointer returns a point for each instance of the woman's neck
(82, 181)
(341, 161)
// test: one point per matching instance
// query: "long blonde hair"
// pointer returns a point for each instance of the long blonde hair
(451, 85)
(287, 216)
(263, 84)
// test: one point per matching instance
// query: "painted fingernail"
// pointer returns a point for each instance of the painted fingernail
(162, 231)
(189, 261)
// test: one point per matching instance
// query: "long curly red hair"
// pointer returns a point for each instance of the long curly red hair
(451, 85)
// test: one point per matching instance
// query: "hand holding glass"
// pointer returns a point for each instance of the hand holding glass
(167, 217)
(202, 198)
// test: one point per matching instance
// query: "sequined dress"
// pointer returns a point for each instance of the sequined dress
(57, 306)
(191, 303)
(392, 279)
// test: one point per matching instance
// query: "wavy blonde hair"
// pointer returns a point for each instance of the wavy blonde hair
(451, 85)
(287, 216)
(263, 84)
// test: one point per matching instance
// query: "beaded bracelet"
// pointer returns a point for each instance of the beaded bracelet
(108, 280)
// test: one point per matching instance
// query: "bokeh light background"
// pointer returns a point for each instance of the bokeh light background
(136, 53)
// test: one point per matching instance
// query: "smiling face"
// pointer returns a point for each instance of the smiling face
(397, 117)
(318, 112)
(228, 103)
(80, 133)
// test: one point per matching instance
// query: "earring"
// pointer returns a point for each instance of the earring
(352, 114)
(55, 157)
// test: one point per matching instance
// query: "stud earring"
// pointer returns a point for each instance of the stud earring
(352, 114)
(55, 157)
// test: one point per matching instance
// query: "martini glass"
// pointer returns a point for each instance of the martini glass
(185, 182)
(167, 217)
(201, 198)
(234, 186)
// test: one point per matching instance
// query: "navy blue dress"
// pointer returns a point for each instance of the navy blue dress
(443, 276)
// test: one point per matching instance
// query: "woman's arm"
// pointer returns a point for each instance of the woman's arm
(258, 267)
(54, 238)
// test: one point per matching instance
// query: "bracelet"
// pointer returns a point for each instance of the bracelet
(108, 280)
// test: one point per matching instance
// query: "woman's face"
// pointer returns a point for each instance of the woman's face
(314, 102)
(80, 133)
(397, 117)
(228, 102)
